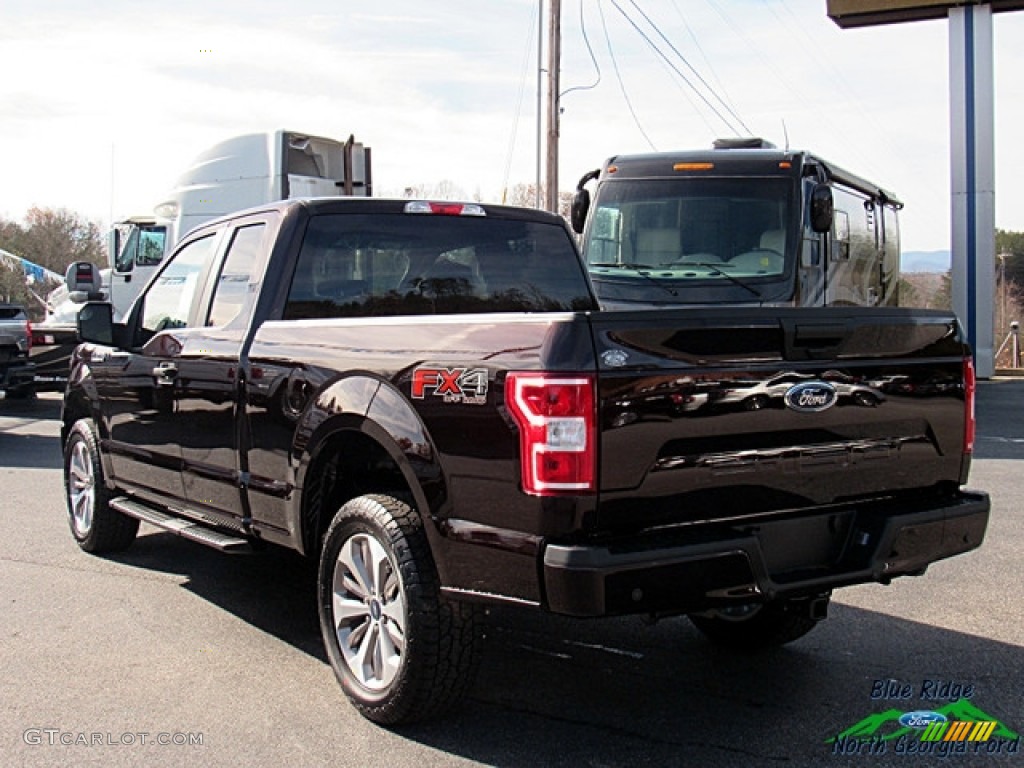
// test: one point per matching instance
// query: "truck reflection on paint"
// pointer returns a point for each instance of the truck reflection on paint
(688, 396)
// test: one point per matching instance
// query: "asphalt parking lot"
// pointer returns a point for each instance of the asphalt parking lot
(172, 654)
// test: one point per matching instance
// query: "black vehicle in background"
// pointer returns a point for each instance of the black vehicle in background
(16, 371)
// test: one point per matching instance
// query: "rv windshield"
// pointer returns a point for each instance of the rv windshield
(671, 240)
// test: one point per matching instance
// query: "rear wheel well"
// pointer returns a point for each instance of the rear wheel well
(348, 465)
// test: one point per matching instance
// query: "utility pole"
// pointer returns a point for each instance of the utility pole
(538, 178)
(554, 62)
(1002, 292)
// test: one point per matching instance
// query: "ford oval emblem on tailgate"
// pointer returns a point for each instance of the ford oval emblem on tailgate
(811, 397)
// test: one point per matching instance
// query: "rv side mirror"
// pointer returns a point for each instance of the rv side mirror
(821, 208)
(578, 211)
(96, 323)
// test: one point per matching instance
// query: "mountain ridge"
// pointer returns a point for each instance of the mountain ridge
(925, 261)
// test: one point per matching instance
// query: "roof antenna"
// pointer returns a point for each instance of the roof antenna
(785, 133)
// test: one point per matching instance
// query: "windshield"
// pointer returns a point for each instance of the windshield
(671, 240)
(144, 246)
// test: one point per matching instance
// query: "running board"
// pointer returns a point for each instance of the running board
(185, 528)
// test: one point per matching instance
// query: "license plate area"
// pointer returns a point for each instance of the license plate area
(793, 549)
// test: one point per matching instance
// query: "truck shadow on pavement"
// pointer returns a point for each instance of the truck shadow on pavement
(30, 451)
(557, 692)
(26, 433)
(560, 692)
(274, 590)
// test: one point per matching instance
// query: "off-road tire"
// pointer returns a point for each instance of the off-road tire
(425, 646)
(94, 524)
(762, 626)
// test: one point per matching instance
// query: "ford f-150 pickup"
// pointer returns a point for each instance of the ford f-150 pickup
(427, 398)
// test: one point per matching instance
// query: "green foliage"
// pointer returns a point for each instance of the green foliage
(909, 296)
(943, 299)
(1011, 244)
(926, 290)
(52, 238)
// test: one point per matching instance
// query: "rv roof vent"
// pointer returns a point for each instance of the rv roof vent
(748, 142)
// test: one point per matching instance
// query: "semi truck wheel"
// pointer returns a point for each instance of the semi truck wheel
(401, 651)
(95, 526)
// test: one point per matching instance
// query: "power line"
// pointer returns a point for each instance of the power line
(518, 113)
(618, 77)
(675, 69)
(689, 66)
(696, 44)
(593, 59)
(795, 92)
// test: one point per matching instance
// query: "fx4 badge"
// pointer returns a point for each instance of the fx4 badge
(454, 385)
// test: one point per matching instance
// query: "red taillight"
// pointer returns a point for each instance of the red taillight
(28, 333)
(444, 209)
(557, 431)
(970, 384)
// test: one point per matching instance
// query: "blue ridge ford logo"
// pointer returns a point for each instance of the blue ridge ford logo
(811, 397)
(921, 719)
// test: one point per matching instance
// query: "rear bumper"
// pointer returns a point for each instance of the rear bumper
(16, 377)
(52, 365)
(806, 553)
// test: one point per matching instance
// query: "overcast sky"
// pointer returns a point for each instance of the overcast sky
(102, 106)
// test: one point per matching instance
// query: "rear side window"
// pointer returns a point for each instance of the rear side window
(240, 267)
(373, 265)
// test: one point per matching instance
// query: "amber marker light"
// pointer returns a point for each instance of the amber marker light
(785, 165)
(693, 166)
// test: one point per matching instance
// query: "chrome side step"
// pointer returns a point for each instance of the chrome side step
(185, 528)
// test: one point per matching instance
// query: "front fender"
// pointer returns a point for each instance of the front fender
(82, 400)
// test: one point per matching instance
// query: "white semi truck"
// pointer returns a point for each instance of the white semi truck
(237, 173)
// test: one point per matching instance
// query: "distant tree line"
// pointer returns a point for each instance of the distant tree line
(931, 290)
(1011, 245)
(52, 238)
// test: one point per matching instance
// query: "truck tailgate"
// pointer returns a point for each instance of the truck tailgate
(721, 413)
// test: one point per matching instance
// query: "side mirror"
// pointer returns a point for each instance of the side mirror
(84, 282)
(96, 323)
(578, 211)
(821, 208)
(114, 245)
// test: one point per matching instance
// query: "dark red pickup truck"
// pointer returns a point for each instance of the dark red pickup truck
(427, 398)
